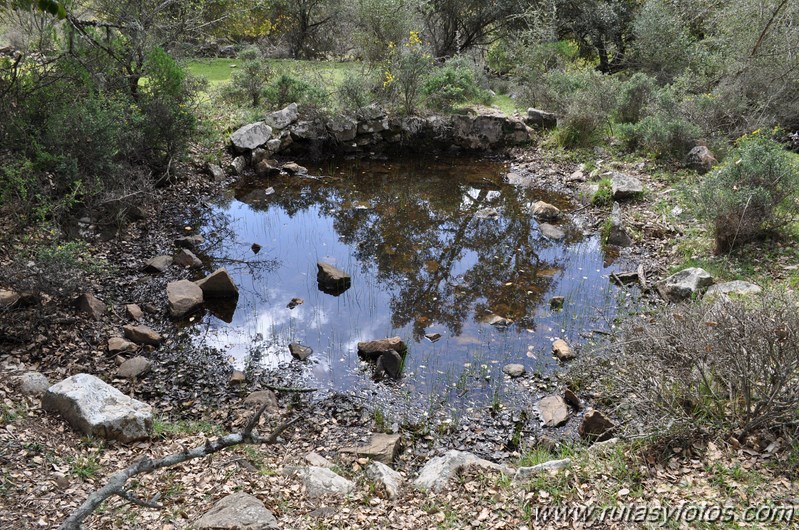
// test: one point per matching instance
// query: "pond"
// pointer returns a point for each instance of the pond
(437, 249)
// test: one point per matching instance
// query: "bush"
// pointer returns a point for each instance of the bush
(289, 89)
(356, 91)
(453, 83)
(721, 370)
(249, 80)
(586, 100)
(751, 193)
(405, 70)
(635, 95)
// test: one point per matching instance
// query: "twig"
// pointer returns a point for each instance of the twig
(289, 389)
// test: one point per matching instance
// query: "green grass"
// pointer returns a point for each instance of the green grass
(218, 71)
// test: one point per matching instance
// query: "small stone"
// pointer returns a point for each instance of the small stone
(292, 168)
(120, 345)
(332, 280)
(134, 312)
(315, 459)
(433, 337)
(383, 474)
(158, 264)
(685, 283)
(556, 303)
(487, 213)
(256, 248)
(390, 364)
(526, 473)
(572, 399)
(187, 258)
(554, 411)
(437, 472)
(596, 426)
(625, 186)
(295, 302)
(133, 368)
(142, 335)
(562, 350)
(497, 321)
(217, 173)
(33, 384)
(190, 242)
(259, 397)
(237, 377)
(61, 481)
(8, 299)
(733, 289)
(382, 448)
(300, 352)
(90, 305)
(514, 370)
(546, 211)
(321, 481)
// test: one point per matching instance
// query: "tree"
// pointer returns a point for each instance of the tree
(454, 26)
(306, 25)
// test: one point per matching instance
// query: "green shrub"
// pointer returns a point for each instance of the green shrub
(751, 193)
(356, 91)
(604, 194)
(451, 84)
(634, 97)
(248, 82)
(405, 70)
(289, 89)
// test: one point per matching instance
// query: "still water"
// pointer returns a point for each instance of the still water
(433, 247)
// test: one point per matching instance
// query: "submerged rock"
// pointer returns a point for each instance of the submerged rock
(218, 284)
(551, 232)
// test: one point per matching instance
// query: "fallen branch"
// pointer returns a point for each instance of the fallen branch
(116, 484)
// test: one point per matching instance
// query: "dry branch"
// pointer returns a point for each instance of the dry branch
(116, 484)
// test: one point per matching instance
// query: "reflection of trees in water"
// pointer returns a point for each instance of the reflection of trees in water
(421, 237)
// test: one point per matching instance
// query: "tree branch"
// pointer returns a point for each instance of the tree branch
(116, 484)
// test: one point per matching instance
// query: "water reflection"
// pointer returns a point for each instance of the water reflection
(432, 247)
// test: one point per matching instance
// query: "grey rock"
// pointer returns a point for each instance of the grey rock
(540, 119)
(33, 384)
(625, 186)
(281, 119)
(381, 448)
(250, 136)
(321, 481)
(266, 168)
(300, 352)
(89, 304)
(700, 159)
(134, 367)
(183, 297)
(496, 321)
(487, 213)
(390, 364)
(526, 473)
(514, 370)
(158, 264)
(554, 411)
(96, 408)
(216, 172)
(596, 426)
(187, 258)
(546, 211)
(685, 283)
(309, 130)
(292, 168)
(373, 349)
(238, 165)
(273, 146)
(371, 112)
(259, 397)
(218, 285)
(190, 242)
(382, 474)
(551, 231)
(332, 280)
(142, 335)
(342, 128)
(437, 472)
(120, 345)
(134, 312)
(733, 289)
(315, 459)
(237, 511)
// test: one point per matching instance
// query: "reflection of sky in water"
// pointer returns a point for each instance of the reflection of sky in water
(333, 326)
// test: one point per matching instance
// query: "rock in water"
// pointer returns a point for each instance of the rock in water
(617, 234)
(332, 280)
(184, 297)
(237, 511)
(300, 352)
(373, 349)
(390, 364)
(513, 370)
(218, 285)
(544, 210)
(98, 409)
(187, 258)
(551, 232)
(562, 350)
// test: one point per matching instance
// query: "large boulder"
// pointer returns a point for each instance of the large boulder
(382, 448)
(332, 280)
(282, 118)
(184, 297)
(218, 284)
(625, 186)
(98, 409)
(250, 136)
(685, 283)
(700, 159)
(237, 511)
